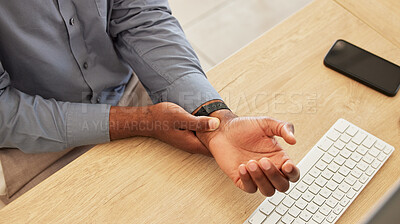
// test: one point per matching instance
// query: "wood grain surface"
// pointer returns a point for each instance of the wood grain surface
(382, 15)
(281, 74)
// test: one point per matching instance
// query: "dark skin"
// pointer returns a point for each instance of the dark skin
(253, 159)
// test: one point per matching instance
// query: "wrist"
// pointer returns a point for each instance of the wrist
(125, 122)
(225, 116)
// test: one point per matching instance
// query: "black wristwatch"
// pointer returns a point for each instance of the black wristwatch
(209, 108)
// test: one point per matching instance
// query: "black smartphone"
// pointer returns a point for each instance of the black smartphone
(364, 67)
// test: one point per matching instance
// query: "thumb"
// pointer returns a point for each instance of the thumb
(200, 123)
(282, 129)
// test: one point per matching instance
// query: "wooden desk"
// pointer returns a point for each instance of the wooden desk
(382, 15)
(281, 75)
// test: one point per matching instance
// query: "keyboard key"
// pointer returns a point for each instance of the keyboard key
(362, 150)
(320, 181)
(374, 152)
(301, 203)
(368, 159)
(344, 202)
(337, 209)
(318, 217)
(331, 217)
(364, 178)
(357, 186)
(339, 160)
(351, 193)
(338, 178)
(387, 150)
(308, 196)
(319, 200)
(321, 165)
(333, 151)
(333, 167)
(277, 198)
(327, 158)
(345, 138)
(341, 126)
(314, 172)
(356, 156)
(351, 146)
(308, 179)
(302, 187)
(344, 171)
(295, 194)
(379, 144)
(338, 195)
(339, 144)
(333, 135)
(362, 165)
(281, 209)
(381, 157)
(351, 131)
(356, 173)
(305, 215)
(350, 180)
(327, 174)
(331, 202)
(287, 219)
(369, 141)
(369, 171)
(332, 185)
(325, 193)
(267, 208)
(257, 218)
(325, 144)
(288, 201)
(314, 189)
(375, 164)
(344, 187)
(359, 137)
(350, 164)
(274, 218)
(294, 211)
(345, 153)
(312, 207)
(325, 210)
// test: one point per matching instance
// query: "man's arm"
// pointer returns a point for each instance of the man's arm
(152, 42)
(33, 124)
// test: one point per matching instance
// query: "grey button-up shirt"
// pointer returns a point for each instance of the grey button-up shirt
(64, 62)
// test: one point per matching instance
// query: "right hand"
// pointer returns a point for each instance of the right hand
(166, 121)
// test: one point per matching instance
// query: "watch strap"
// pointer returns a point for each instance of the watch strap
(209, 108)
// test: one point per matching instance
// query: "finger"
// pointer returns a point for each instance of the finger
(247, 183)
(282, 129)
(259, 178)
(201, 123)
(291, 171)
(274, 175)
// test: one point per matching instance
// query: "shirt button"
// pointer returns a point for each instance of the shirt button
(72, 21)
(98, 100)
(85, 65)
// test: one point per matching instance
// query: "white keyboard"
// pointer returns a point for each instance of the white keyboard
(333, 174)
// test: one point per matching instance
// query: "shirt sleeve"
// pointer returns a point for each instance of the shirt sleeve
(152, 42)
(33, 124)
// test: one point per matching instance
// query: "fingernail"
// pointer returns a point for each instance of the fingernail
(288, 169)
(252, 166)
(265, 164)
(213, 123)
(242, 169)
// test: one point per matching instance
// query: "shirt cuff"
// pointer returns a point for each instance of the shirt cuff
(190, 92)
(87, 124)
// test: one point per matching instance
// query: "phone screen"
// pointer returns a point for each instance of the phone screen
(364, 67)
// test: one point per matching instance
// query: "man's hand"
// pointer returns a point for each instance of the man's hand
(165, 121)
(246, 150)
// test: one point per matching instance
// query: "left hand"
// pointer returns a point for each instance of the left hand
(245, 148)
